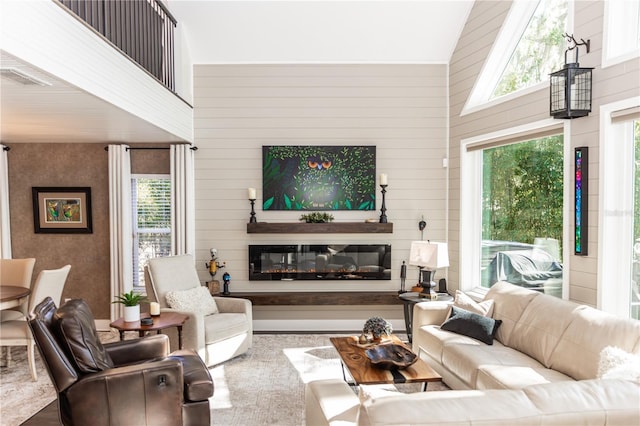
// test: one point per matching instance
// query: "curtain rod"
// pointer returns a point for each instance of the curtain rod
(6, 148)
(193, 148)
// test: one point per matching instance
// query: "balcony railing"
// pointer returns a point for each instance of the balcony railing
(141, 29)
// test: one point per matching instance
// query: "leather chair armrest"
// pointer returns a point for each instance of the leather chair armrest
(147, 393)
(233, 305)
(131, 351)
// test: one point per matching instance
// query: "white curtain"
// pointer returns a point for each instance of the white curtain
(121, 228)
(5, 223)
(183, 218)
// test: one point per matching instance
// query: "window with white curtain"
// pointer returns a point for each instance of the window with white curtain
(619, 222)
(151, 208)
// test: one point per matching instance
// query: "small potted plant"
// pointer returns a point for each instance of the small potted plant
(131, 302)
(377, 327)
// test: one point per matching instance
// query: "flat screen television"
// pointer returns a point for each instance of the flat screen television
(319, 177)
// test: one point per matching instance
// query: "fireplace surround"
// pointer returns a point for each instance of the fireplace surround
(319, 262)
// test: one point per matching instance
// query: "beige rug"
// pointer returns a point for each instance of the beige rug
(262, 387)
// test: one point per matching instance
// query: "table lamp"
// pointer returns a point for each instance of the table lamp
(428, 256)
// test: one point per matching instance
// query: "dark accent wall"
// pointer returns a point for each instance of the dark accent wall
(45, 164)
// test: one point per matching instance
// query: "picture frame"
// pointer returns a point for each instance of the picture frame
(62, 210)
(319, 177)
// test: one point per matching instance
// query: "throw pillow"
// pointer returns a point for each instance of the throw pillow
(472, 325)
(484, 308)
(197, 299)
(74, 322)
(616, 363)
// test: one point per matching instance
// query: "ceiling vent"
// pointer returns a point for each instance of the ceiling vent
(21, 77)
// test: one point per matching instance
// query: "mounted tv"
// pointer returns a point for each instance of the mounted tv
(319, 177)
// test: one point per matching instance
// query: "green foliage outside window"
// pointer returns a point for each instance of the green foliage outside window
(523, 191)
(540, 50)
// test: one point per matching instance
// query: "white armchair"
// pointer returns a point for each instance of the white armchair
(216, 337)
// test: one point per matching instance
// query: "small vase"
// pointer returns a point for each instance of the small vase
(132, 313)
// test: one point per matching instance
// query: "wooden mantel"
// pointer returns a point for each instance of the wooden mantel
(320, 228)
(321, 298)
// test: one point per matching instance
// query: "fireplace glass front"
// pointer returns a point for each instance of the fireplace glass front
(320, 262)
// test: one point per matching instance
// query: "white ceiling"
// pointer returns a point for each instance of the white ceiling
(240, 31)
(321, 31)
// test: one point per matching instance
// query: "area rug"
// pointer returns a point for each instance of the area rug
(263, 387)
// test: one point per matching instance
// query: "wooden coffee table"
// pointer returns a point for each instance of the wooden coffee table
(354, 358)
(160, 322)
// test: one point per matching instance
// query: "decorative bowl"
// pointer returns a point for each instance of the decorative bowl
(391, 356)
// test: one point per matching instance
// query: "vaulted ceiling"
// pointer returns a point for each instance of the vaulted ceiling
(266, 31)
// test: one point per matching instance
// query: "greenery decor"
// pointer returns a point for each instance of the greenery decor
(377, 326)
(130, 299)
(316, 217)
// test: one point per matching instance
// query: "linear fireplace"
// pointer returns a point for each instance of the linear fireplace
(320, 262)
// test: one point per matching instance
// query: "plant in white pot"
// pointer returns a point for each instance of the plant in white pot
(131, 302)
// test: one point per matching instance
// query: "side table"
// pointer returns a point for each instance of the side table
(411, 298)
(160, 322)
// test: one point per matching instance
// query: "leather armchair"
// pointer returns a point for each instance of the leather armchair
(123, 383)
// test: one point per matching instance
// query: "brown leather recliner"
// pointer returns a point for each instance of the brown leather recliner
(131, 382)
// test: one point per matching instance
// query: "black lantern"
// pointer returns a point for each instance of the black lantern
(571, 87)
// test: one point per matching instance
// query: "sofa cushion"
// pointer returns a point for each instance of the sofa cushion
(467, 360)
(618, 364)
(484, 308)
(603, 402)
(500, 376)
(472, 325)
(578, 351)
(224, 326)
(75, 325)
(196, 299)
(541, 326)
(510, 301)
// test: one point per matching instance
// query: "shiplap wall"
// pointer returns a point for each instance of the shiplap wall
(610, 84)
(401, 109)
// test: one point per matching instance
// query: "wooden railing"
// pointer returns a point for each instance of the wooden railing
(141, 29)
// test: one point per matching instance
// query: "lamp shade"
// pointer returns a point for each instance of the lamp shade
(429, 255)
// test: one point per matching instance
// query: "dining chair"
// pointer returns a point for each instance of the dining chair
(49, 283)
(16, 272)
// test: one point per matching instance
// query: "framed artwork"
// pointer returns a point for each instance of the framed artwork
(62, 210)
(319, 177)
(581, 163)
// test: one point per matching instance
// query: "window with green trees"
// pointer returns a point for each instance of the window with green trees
(151, 208)
(540, 50)
(522, 214)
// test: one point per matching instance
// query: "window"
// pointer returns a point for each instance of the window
(513, 204)
(619, 222)
(622, 32)
(151, 207)
(529, 46)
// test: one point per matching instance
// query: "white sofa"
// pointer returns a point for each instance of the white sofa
(542, 368)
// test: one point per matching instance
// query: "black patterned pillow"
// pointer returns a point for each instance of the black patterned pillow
(472, 325)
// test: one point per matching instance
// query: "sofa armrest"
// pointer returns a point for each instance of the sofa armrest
(147, 393)
(130, 351)
(330, 402)
(429, 313)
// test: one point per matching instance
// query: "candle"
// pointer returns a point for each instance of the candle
(252, 193)
(154, 308)
(383, 178)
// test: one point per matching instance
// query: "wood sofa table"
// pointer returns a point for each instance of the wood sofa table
(160, 322)
(354, 358)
